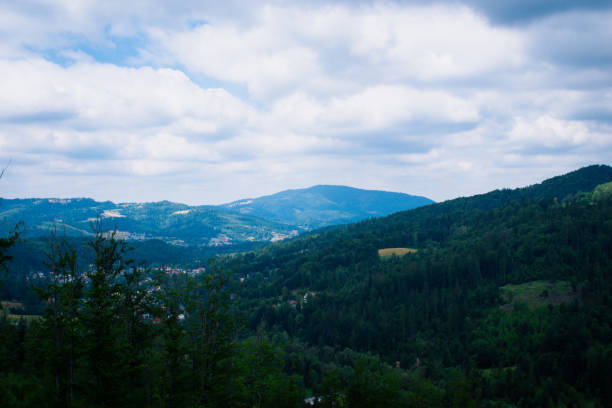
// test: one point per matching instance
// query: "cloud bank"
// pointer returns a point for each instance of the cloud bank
(206, 103)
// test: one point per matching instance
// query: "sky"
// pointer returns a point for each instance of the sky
(205, 102)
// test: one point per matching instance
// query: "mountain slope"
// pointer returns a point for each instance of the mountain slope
(325, 205)
(445, 304)
(559, 187)
(433, 224)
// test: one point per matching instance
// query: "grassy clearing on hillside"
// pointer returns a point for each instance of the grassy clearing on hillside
(57, 226)
(537, 293)
(11, 305)
(8, 307)
(388, 252)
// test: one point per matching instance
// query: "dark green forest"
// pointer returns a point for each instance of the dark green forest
(503, 299)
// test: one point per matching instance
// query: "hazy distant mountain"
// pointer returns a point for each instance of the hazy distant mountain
(271, 218)
(323, 205)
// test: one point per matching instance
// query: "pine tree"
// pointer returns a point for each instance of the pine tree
(61, 320)
(102, 322)
(211, 329)
(168, 312)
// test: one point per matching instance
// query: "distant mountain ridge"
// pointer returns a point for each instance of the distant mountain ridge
(325, 205)
(269, 218)
(164, 220)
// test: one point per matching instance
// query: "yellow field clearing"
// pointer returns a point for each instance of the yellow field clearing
(387, 252)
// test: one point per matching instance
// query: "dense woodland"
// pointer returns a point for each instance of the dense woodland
(505, 299)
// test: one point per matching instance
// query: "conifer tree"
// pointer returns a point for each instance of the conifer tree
(61, 320)
(211, 331)
(102, 323)
(167, 310)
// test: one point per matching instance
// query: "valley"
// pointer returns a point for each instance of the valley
(499, 299)
(306, 204)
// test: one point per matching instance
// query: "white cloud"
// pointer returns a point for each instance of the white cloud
(255, 57)
(146, 99)
(77, 118)
(375, 108)
(103, 95)
(550, 132)
(576, 39)
(431, 43)
(381, 106)
(288, 48)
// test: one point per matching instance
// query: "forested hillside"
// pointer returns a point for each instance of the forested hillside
(502, 299)
(171, 222)
(445, 304)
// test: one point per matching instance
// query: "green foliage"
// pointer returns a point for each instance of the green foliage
(259, 380)
(21, 391)
(424, 394)
(170, 222)
(441, 305)
(112, 336)
(5, 245)
(60, 322)
(602, 190)
(373, 385)
(435, 328)
(538, 293)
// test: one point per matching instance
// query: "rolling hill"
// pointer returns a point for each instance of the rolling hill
(271, 218)
(325, 205)
(167, 221)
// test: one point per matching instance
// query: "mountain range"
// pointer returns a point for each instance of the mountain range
(269, 218)
(500, 299)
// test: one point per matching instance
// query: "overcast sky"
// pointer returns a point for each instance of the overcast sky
(204, 102)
